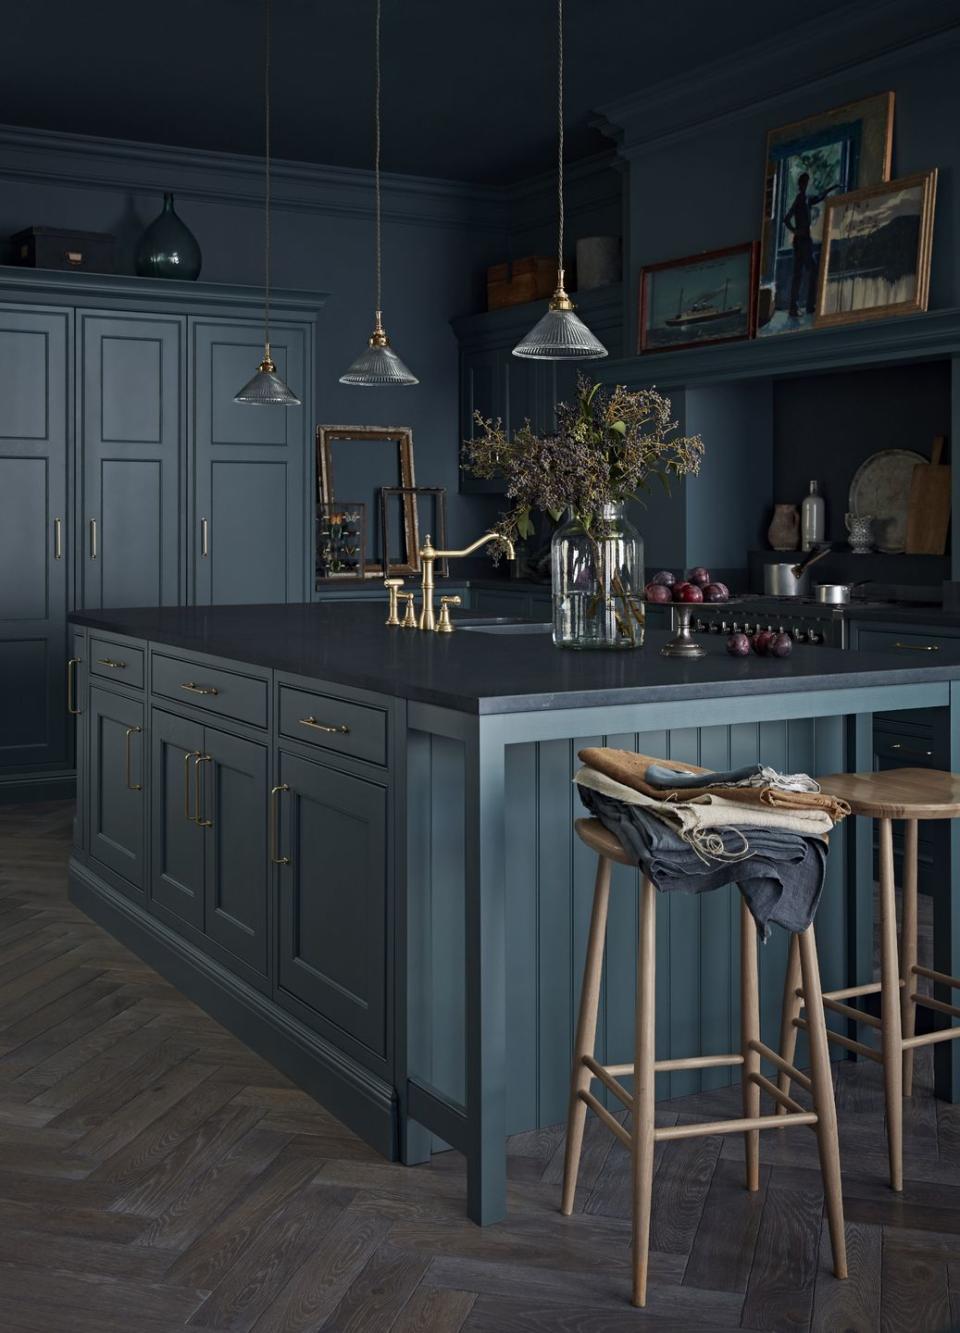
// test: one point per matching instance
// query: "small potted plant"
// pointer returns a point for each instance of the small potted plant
(609, 447)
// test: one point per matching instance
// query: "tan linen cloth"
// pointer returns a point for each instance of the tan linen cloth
(710, 810)
(630, 770)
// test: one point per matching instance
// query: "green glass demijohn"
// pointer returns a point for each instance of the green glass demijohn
(168, 248)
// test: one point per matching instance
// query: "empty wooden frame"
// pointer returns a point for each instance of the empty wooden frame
(361, 461)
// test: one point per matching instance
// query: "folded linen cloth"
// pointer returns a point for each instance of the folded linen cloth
(750, 775)
(779, 873)
(631, 770)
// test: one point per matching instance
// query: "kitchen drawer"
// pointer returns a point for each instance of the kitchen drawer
(115, 660)
(214, 689)
(910, 643)
(334, 724)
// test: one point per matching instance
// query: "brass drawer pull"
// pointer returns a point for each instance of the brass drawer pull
(908, 749)
(130, 731)
(112, 662)
(199, 689)
(190, 754)
(918, 647)
(72, 708)
(341, 730)
(275, 826)
(198, 818)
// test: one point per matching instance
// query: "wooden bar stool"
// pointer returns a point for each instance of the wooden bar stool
(910, 794)
(645, 1066)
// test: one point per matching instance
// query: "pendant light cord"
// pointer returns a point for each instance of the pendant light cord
(560, 129)
(376, 159)
(266, 213)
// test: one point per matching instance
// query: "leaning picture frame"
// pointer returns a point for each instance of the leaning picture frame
(700, 299)
(360, 461)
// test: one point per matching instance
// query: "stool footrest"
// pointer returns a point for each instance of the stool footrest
(848, 1011)
(668, 1132)
(930, 1003)
(601, 1112)
(848, 1043)
(848, 992)
(940, 977)
(930, 1038)
(607, 1079)
(776, 1093)
(784, 1066)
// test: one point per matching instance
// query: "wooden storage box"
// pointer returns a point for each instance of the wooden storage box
(49, 247)
(529, 279)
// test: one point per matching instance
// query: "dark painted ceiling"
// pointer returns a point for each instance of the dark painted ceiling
(469, 87)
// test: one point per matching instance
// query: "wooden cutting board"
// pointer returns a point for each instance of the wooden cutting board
(928, 514)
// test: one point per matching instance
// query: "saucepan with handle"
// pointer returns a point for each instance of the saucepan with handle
(836, 594)
(785, 578)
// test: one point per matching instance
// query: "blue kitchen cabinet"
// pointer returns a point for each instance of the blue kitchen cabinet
(35, 528)
(177, 839)
(117, 787)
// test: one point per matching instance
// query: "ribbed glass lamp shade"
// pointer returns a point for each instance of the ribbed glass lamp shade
(267, 389)
(560, 335)
(378, 364)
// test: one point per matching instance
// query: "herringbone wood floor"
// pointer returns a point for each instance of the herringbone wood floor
(155, 1175)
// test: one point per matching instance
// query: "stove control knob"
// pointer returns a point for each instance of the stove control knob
(699, 626)
(717, 626)
(724, 627)
(747, 628)
(814, 636)
(798, 635)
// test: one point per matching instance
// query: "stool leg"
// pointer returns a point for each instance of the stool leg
(750, 1031)
(908, 948)
(792, 1004)
(890, 999)
(585, 1043)
(823, 1100)
(643, 1090)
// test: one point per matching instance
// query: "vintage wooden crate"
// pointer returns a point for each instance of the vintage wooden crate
(52, 247)
(528, 279)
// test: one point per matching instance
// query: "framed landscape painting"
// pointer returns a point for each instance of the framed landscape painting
(705, 298)
(876, 251)
(808, 163)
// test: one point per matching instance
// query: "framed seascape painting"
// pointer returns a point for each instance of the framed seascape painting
(876, 251)
(807, 164)
(705, 298)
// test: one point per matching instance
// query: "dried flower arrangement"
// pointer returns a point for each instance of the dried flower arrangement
(609, 446)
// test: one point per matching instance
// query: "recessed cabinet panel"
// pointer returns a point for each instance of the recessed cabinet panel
(176, 871)
(333, 898)
(24, 538)
(25, 364)
(234, 799)
(249, 517)
(24, 721)
(130, 379)
(118, 785)
(233, 361)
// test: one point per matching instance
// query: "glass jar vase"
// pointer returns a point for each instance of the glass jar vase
(598, 582)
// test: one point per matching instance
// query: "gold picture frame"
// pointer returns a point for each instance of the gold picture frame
(895, 266)
(402, 436)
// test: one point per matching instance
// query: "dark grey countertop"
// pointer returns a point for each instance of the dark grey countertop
(492, 673)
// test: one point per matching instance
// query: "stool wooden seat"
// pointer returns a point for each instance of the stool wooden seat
(910, 794)
(643, 1137)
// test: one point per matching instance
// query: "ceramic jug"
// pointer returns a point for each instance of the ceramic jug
(784, 530)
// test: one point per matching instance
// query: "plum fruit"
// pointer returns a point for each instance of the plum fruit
(700, 576)
(657, 592)
(665, 577)
(738, 645)
(688, 592)
(781, 645)
(762, 641)
(715, 592)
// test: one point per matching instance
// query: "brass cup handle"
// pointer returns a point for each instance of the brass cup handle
(190, 754)
(194, 688)
(918, 647)
(131, 786)
(72, 708)
(341, 730)
(198, 819)
(275, 826)
(112, 662)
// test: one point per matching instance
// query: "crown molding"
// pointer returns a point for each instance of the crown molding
(85, 162)
(865, 35)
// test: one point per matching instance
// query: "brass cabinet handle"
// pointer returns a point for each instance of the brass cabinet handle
(918, 647)
(340, 730)
(190, 754)
(93, 539)
(275, 826)
(112, 662)
(204, 537)
(130, 731)
(58, 539)
(910, 749)
(72, 708)
(199, 819)
(199, 689)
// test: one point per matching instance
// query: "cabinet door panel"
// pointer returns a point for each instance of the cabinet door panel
(176, 857)
(80, 676)
(131, 383)
(237, 876)
(33, 580)
(116, 809)
(250, 469)
(333, 898)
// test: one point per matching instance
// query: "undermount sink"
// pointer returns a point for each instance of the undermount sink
(503, 625)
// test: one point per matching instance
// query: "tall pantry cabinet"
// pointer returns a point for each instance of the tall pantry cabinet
(129, 477)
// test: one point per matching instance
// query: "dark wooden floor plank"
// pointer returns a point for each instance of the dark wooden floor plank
(721, 1254)
(378, 1294)
(854, 1304)
(916, 1293)
(432, 1310)
(780, 1288)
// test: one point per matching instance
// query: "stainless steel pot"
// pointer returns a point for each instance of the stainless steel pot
(786, 578)
(835, 594)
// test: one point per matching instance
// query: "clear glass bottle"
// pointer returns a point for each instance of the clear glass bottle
(813, 518)
(598, 582)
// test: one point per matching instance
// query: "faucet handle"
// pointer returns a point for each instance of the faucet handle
(392, 586)
(410, 617)
(445, 624)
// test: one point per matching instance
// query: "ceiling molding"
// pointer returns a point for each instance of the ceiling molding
(866, 35)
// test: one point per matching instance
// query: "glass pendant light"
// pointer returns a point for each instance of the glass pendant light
(378, 363)
(267, 389)
(561, 334)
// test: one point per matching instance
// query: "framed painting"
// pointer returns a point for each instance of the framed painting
(359, 461)
(877, 245)
(705, 298)
(808, 163)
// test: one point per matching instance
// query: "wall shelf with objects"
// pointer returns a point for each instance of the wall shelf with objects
(496, 383)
